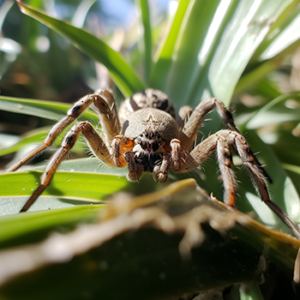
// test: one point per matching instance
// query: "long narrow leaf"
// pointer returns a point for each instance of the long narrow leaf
(39, 108)
(67, 185)
(120, 71)
(118, 249)
(147, 37)
(265, 116)
(228, 33)
(162, 66)
(285, 35)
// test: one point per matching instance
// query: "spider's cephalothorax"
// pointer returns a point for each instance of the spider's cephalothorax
(146, 137)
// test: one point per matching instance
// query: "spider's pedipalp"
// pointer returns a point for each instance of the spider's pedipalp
(120, 145)
(135, 171)
(160, 171)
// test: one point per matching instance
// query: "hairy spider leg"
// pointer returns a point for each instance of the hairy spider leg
(160, 172)
(183, 116)
(189, 132)
(108, 114)
(192, 126)
(254, 169)
(95, 143)
(109, 118)
(222, 142)
(104, 104)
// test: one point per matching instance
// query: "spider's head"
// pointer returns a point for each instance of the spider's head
(151, 130)
(148, 150)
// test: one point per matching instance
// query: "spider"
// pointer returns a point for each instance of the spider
(146, 137)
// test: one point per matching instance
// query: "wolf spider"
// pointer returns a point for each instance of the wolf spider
(146, 137)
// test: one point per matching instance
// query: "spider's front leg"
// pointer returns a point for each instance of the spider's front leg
(172, 160)
(104, 105)
(95, 143)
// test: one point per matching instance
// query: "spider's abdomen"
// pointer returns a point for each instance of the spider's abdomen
(147, 99)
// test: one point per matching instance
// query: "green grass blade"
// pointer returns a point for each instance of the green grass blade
(81, 12)
(40, 108)
(65, 185)
(137, 247)
(211, 63)
(162, 65)
(34, 136)
(285, 35)
(120, 71)
(267, 115)
(147, 38)
(18, 225)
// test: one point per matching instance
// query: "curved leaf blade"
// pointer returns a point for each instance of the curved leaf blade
(17, 225)
(228, 33)
(122, 74)
(267, 115)
(81, 186)
(285, 35)
(40, 108)
(147, 38)
(162, 66)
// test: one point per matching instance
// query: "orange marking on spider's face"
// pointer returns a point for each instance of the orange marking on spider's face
(125, 146)
(129, 145)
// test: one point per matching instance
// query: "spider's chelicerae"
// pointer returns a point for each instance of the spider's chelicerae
(146, 137)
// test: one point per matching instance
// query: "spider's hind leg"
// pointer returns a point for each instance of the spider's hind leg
(255, 170)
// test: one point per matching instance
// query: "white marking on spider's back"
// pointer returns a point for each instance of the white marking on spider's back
(151, 119)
